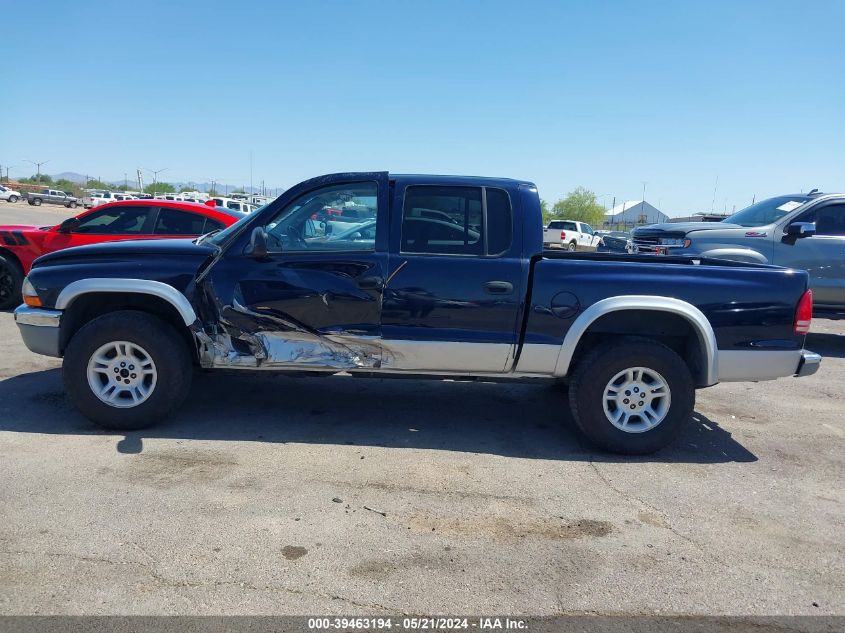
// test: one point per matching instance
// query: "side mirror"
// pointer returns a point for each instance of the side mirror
(68, 225)
(801, 229)
(257, 243)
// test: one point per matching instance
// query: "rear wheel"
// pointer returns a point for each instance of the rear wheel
(127, 370)
(36, 202)
(572, 245)
(11, 278)
(631, 396)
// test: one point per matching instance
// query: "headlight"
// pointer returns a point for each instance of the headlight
(674, 242)
(30, 297)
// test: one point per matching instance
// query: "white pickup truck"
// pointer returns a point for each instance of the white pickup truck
(96, 198)
(571, 235)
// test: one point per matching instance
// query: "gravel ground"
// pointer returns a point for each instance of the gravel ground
(341, 495)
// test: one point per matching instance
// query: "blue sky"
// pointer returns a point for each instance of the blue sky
(600, 94)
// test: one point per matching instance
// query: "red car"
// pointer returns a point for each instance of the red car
(20, 245)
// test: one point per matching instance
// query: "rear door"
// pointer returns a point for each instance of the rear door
(170, 222)
(822, 255)
(455, 285)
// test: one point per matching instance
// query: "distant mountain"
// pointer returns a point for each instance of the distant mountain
(69, 175)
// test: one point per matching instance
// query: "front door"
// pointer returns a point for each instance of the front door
(103, 225)
(455, 286)
(822, 255)
(315, 299)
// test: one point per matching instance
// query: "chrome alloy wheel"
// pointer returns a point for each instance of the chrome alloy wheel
(122, 374)
(636, 399)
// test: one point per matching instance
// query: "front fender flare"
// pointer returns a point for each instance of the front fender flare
(695, 317)
(137, 286)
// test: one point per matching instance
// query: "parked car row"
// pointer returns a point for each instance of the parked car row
(443, 277)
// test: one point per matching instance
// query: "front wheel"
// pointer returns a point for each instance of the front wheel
(71, 205)
(127, 370)
(11, 278)
(13, 198)
(631, 395)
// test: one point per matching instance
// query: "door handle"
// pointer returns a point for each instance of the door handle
(499, 287)
(370, 283)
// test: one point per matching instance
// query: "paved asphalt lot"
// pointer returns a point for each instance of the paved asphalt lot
(493, 503)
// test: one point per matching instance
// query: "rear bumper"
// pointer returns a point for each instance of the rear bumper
(40, 329)
(754, 365)
(809, 364)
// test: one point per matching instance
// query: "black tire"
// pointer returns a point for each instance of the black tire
(71, 205)
(13, 198)
(599, 366)
(163, 345)
(36, 202)
(572, 246)
(11, 278)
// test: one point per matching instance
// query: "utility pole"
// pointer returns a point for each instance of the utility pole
(642, 204)
(716, 186)
(250, 171)
(155, 173)
(125, 182)
(38, 164)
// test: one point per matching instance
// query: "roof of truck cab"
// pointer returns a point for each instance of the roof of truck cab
(444, 179)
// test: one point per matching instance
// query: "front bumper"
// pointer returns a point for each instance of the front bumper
(40, 329)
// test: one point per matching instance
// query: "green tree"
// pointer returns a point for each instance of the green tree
(160, 187)
(185, 188)
(68, 185)
(213, 193)
(580, 205)
(238, 191)
(93, 183)
(546, 210)
(35, 179)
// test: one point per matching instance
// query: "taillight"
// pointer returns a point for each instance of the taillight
(804, 314)
(563, 236)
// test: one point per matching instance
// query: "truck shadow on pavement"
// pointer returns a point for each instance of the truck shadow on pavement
(513, 420)
(830, 345)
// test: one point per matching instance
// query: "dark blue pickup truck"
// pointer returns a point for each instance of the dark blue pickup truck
(434, 276)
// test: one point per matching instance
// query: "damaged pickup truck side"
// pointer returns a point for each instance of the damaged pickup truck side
(377, 274)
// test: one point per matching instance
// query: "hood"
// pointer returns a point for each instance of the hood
(682, 228)
(168, 247)
(19, 227)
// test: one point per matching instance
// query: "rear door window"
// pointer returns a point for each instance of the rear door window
(454, 220)
(176, 222)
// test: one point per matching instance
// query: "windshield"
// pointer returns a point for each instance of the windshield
(766, 211)
(221, 237)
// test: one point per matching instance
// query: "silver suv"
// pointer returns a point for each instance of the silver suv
(804, 231)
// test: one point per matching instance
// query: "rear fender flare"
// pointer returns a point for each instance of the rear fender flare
(139, 286)
(699, 323)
